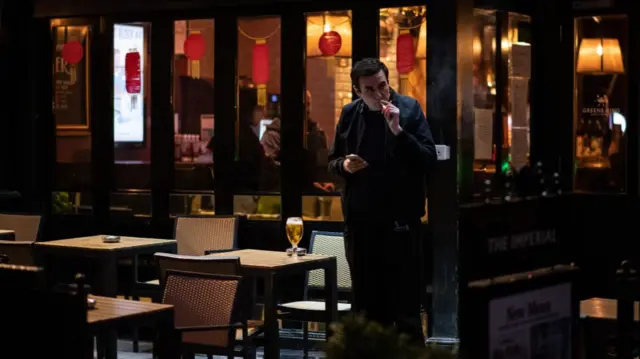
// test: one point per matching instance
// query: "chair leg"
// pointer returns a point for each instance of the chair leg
(305, 339)
(135, 338)
(99, 347)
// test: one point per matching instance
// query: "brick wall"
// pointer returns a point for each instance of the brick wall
(417, 78)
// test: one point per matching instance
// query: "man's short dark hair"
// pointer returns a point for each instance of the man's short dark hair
(367, 67)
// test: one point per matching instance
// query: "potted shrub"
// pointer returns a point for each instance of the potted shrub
(357, 338)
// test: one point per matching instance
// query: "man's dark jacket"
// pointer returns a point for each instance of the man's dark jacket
(392, 188)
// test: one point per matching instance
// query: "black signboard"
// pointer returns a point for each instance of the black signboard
(523, 316)
(500, 239)
(71, 82)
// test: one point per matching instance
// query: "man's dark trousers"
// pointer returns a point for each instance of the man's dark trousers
(385, 259)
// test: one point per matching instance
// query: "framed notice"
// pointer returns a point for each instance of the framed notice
(533, 324)
(71, 82)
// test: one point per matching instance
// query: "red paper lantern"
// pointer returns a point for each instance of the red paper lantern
(194, 47)
(72, 52)
(132, 72)
(261, 69)
(405, 53)
(260, 63)
(330, 43)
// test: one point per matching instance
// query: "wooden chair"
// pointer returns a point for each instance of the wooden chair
(206, 309)
(20, 253)
(309, 310)
(25, 226)
(197, 234)
(207, 265)
(194, 235)
(213, 265)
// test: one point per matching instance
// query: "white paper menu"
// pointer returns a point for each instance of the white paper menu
(483, 133)
(520, 60)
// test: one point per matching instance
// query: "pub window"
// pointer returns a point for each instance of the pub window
(193, 103)
(504, 152)
(257, 130)
(403, 48)
(132, 118)
(71, 108)
(517, 91)
(601, 104)
(328, 89)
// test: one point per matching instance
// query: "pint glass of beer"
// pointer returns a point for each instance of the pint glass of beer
(294, 232)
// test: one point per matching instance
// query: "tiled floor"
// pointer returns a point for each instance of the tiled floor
(125, 351)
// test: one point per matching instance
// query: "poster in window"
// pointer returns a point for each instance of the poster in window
(71, 81)
(128, 83)
(531, 325)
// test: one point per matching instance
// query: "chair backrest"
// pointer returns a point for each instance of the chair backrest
(198, 264)
(201, 300)
(329, 244)
(195, 235)
(54, 318)
(19, 253)
(25, 226)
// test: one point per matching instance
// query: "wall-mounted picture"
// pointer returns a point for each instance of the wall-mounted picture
(71, 77)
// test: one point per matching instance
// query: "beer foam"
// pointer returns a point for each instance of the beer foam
(294, 220)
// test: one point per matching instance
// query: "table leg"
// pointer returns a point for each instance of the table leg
(331, 295)
(271, 331)
(108, 287)
(168, 342)
(108, 277)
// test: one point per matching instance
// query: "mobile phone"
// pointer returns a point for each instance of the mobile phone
(354, 157)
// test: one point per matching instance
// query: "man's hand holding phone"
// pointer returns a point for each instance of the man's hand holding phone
(354, 163)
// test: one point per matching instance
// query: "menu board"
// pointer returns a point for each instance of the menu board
(483, 134)
(128, 108)
(534, 324)
(70, 82)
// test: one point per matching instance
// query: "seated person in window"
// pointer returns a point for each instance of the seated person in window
(250, 153)
(316, 141)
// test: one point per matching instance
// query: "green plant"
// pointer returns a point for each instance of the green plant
(357, 338)
(61, 203)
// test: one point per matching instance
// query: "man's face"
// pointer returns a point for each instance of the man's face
(373, 89)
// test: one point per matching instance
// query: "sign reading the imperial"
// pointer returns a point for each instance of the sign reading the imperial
(70, 91)
(521, 241)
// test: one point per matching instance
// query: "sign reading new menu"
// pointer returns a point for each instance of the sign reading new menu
(534, 324)
(128, 83)
(70, 80)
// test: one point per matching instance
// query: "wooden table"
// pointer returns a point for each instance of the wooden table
(111, 313)
(105, 254)
(270, 265)
(599, 322)
(7, 235)
(105, 257)
(605, 309)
